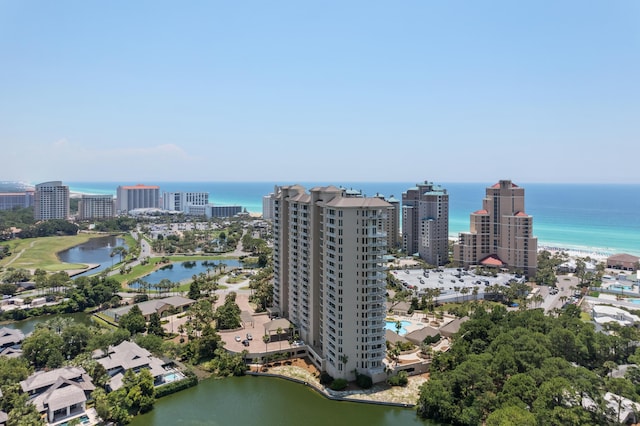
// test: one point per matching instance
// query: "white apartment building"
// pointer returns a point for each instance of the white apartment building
(51, 201)
(329, 275)
(425, 223)
(137, 197)
(180, 201)
(96, 207)
(267, 206)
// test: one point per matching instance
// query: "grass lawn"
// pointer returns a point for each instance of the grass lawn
(42, 252)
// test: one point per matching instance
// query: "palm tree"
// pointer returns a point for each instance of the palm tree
(279, 332)
(266, 339)
(465, 291)
(345, 359)
(120, 250)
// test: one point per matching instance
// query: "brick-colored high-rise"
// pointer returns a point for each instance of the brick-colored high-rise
(501, 233)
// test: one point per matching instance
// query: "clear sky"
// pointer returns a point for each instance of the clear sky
(450, 91)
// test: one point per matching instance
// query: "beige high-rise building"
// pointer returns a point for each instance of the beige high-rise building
(51, 201)
(329, 275)
(425, 223)
(96, 207)
(501, 233)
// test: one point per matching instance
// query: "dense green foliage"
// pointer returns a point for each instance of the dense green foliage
(228, 315)
(20, 218)
(49, 228)
(526, 364)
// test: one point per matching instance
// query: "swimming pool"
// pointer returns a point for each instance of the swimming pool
(620, 287)
(172, 377)
(391, 325)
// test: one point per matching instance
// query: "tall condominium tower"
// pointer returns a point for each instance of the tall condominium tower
(501, 232)
(137, 197)
(390, 222)
(95, 207)
(329, 275)
(267, 206)
(180, 201)
(51, 201)
(425, 223)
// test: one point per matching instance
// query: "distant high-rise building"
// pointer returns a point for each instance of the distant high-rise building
(96, 207)
(267, 206)
(501, 233)
(180, 201)
(390, 222)
(425, 223)
(11, 200)
(137, 197)
(51, 201)
(210, 210)
(329, 275)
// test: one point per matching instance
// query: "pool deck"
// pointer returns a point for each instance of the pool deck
(90, 413)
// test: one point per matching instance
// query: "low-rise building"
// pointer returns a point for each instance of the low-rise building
(10, 337)
(624, 261)
(59, 393)
(603, 314)
(162, 307)
(129, 356)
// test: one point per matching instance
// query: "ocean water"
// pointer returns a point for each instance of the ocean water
(601, 218)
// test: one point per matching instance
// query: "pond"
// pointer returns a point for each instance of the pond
(179, 271)
(267, 401)
(94, 251)
(28, 325)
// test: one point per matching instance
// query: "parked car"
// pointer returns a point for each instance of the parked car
(249, 336)
(245, 342)
(238, 338)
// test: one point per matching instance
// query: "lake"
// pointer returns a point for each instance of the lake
(94, 251)
(28, 325)
(178, 271)
(267, 401)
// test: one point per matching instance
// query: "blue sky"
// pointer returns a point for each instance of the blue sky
(450, 91)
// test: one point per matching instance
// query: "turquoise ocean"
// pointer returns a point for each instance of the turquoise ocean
(594, 218)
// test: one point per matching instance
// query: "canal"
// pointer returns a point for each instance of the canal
(267, 401)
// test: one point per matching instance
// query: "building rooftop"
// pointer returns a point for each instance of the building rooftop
(41, 379)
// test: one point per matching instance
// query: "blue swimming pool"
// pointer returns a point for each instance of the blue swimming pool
(391, 325)
(172, 377)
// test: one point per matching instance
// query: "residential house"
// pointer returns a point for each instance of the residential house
(59, 393)
(10, 338)
(129, 356)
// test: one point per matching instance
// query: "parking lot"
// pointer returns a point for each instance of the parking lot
(450, 281)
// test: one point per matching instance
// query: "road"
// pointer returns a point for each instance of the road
(551, 301)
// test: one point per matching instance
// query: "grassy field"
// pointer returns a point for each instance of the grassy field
(34, 253)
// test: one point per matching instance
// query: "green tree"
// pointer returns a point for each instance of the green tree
(155, 327)
(133, 321)
(76, 338)
(194, 291)
(43, 349)
(511, 416)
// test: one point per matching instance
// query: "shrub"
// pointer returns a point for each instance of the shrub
(400, 379)
(173, 387)
(325, 378)
(364, 381)
(338, 384)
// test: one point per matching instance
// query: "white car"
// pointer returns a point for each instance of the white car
(238, 338)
